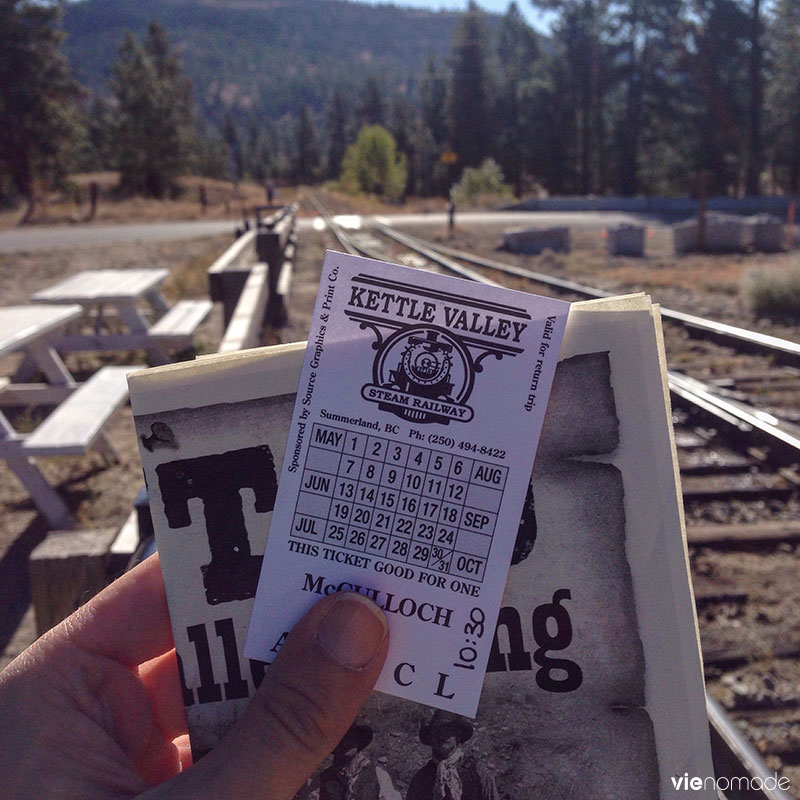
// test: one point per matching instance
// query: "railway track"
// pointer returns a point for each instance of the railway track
(736, 417)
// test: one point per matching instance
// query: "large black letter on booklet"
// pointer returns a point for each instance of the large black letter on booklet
(217, 480)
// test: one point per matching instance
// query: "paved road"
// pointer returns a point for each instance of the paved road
(571, 218)
(47, 238)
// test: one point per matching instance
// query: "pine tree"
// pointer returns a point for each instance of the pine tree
(470, 98)
(235, 150)
(259, 150)
(371, 106)
(209, 154)
(644, 41)
(337, 123)
(580, 34)
(548, 120)
(517, 52)
(405, 119)
(719, 70)
(37, 93)
(99, 126)
(433, 100)
(783, 95)
(754, 157)
(306, 154)
(152, 135)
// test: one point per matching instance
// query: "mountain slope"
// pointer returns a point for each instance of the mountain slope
(265, 56)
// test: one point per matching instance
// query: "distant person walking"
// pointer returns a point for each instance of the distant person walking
(94, 192)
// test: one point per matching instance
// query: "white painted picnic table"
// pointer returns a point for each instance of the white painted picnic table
(32, 329)
(125, 289)
(121, 288)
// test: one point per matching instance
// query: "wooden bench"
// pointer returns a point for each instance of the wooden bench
(67, 568)
(177, 327)
(278, 311)
(182, 320)
(228, 274)
(244, 329)
(125, 542)
(77, 424)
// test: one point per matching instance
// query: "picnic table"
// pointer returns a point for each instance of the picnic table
(124, 291)
(81, 410)
(33, 328)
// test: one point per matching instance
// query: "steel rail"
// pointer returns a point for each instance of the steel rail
(349, 243)
(736, 760)
(333, 225)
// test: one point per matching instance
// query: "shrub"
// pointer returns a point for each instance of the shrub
(372, 164)
(773, 295)
(481, 185)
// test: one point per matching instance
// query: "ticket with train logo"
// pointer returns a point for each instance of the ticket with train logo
(409, 454)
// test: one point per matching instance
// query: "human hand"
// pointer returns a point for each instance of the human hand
(93, 709)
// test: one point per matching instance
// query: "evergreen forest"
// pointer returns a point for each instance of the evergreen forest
(627, 97)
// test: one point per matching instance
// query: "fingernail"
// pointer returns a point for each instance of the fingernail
(352, 630)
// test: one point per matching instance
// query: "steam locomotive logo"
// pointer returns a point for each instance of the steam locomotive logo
(425, 366)
(423, 374)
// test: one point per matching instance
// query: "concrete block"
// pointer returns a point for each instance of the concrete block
(723, 234)
(685, 236)
(537, 240)
(625, 240)
(727, 234)
(768, 233)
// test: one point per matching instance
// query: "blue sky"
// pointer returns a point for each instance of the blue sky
(535, 17)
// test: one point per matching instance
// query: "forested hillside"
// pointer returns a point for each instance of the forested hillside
(266, 57)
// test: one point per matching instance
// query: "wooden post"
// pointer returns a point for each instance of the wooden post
(701, 220)
(67, 569)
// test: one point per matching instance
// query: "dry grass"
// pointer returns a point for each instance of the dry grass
(223, 202)
(773, 294)
(372, 204)
(21, 274)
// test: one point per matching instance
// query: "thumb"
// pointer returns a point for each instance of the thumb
(308, 699)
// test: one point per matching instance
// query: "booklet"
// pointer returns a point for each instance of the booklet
(594, 681)
(420, 405)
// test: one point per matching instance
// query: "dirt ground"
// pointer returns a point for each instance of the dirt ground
(71, 205)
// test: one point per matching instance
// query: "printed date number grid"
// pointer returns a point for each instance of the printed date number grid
(398, 501)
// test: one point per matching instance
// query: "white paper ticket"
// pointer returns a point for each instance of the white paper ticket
(418, 413)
